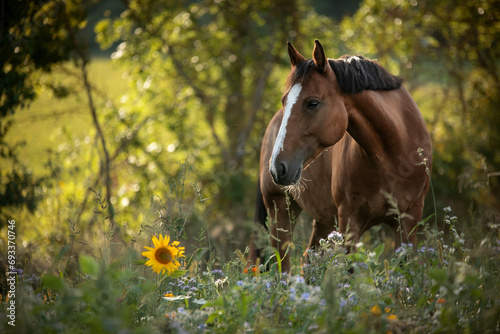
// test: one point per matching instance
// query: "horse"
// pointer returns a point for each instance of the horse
(349, 147)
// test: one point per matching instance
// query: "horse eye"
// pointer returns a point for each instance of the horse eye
(312, 104)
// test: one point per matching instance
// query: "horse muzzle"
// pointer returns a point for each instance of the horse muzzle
(285, 174)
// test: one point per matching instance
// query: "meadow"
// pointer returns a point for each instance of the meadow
(448, 283)
(49, 121)
(144, 227)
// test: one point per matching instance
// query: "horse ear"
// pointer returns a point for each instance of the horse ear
(319, 57)
(295, 56)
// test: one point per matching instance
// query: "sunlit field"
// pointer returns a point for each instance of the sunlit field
(446, 283)
(50, 121)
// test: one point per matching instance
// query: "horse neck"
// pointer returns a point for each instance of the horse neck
(375, 123)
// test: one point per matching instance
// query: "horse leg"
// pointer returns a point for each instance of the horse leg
(319, 231)
(407, 232)
(349, 227)
(282, 216)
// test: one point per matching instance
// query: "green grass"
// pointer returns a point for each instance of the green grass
(446, 284)
(50, 121)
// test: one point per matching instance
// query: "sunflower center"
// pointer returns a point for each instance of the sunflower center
(163, 255)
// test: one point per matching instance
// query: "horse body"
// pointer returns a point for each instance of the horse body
(341, 154)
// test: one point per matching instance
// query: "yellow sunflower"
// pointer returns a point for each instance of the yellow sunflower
(163, 257)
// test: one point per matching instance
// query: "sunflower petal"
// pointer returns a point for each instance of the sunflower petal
(156, 242)
(149, 255)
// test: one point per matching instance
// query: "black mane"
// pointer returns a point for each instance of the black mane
(354, 74)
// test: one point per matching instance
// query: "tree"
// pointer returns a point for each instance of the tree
(33, 38)
(447, 51)
(211, 67)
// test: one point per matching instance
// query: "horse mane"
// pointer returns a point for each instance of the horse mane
(354, 74)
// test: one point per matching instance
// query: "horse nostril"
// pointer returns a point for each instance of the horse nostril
(282, 169)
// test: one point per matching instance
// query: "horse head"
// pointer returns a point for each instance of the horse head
(314, 116)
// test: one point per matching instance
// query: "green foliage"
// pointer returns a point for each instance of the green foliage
(451, 45)
(215, 70)
(445, 284)
(36, 36)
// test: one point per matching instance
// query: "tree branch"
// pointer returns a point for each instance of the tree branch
(204, 99)
(83, 60)
(257, 97)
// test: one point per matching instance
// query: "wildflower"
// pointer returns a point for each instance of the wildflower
(253, 270)
(424, 249)
(342, 303)
(353, 300)
(392, 317)
(299, 279)
(441, 301)
(18, 271)
(217, 272)
(375, 310)
(169, 295)
(163, 257)
(305, 295)
(404, 247)
(239, 283)
(336, 237)
(219, 282)
(170, 316)
(361, 265)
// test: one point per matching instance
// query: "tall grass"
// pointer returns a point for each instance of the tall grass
(447, 283)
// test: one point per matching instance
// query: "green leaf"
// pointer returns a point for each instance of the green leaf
(178, 273)
(219, 302)
(200, 301)
(359, 257)
(278, 259)
(439, 275)
(53, 282)
(378, 251)
(422, 301)
(89, 265)
(214, 316)
(65, 249)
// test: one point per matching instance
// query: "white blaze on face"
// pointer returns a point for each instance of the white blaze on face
(292, 97)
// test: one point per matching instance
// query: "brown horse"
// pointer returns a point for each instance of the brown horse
(348, 138)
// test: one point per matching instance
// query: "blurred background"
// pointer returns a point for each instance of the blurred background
(120, 119)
